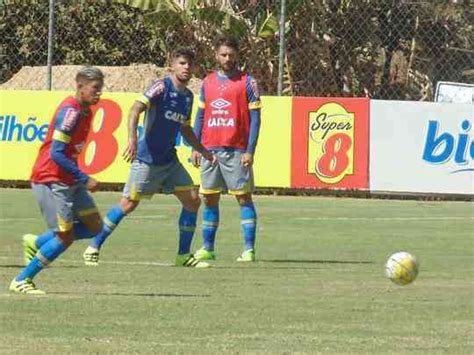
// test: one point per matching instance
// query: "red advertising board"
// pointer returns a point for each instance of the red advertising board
(330, 143)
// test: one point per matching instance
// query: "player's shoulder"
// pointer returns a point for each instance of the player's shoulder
(68, 115)
(156, 88)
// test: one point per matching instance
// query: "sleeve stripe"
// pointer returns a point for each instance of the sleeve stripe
(201, 104)
(61, 136)
(144, 100)
(255, 105)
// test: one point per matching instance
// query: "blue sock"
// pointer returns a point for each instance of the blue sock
(44, 238)
(248, 217)
(187, 226)
(210, 223)
(113, 218)
(47, 253)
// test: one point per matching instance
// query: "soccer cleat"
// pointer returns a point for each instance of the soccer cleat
(29, 247)
(26, 287)
(203, 254)
(247, 256)
(188, 260)
(91, 256)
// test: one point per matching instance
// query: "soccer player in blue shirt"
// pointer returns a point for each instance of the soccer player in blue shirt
(155, 165)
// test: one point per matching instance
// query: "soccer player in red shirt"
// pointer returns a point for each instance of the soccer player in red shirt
(58, 184)
(228, 124)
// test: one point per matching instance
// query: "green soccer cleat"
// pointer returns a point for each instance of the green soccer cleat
(188, 260)
(91, 256)
(247, 256)
(26, 287)
(29, 247)
(203, 254)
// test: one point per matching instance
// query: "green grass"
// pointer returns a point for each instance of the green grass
(318, 286)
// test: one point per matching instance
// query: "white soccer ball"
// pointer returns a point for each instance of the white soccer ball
(401, 268)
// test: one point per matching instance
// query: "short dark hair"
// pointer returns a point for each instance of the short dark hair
(185, 52)
(226, 40)
(89, 74)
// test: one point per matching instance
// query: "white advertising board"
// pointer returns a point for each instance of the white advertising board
(421, 147)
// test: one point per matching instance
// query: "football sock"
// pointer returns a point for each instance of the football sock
(44, 238)
(210, 223)
(46, 254)
(187, 226)
(248, 217)
(111, 220)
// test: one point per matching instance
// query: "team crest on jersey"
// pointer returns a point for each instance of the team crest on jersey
(220, 104)
(70, 118)
(155, 89)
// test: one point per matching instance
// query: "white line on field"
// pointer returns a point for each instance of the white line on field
(381, 218)
(69, 261)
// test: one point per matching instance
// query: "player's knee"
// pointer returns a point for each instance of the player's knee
(244, 199)
(193, 204)
(66, 238)
(96, 226)
(211, 200)
(128, 206)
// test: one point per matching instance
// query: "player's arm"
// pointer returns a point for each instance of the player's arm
(151, 96)
(188, 134)
(198, 123)
(64, 126)
(134, 114)
(253, 98)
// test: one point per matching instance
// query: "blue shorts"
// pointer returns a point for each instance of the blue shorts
(145, 180)
(61, 205)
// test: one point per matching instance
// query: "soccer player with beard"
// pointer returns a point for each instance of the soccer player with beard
(167, 104)
(228, 124)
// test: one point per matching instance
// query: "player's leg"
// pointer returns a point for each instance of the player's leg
(64, 199)
(248, 223)
(136, 188)
(212, 184)
(240, 182)
(180, 182)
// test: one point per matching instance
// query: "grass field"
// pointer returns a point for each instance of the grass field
(318, 286)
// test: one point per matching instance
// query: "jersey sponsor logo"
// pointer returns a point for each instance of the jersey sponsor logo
(220, 104)
(221, 122)
(155, 89)
(70, 118)
(175, 116)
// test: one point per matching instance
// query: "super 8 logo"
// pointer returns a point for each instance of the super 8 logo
(330, 143)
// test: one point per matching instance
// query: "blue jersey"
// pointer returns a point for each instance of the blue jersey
(167, 110)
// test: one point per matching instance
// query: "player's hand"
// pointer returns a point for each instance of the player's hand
(196, 159)
(247, 160)
(92, 184)
(130, 152)
(211, 157)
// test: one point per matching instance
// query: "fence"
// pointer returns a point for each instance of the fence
(391, 49)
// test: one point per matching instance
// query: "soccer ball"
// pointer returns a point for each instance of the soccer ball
(401, 268)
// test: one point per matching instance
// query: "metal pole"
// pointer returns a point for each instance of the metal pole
(281, 55)
(50, 45)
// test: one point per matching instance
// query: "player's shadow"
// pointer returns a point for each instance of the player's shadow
(132, 294)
